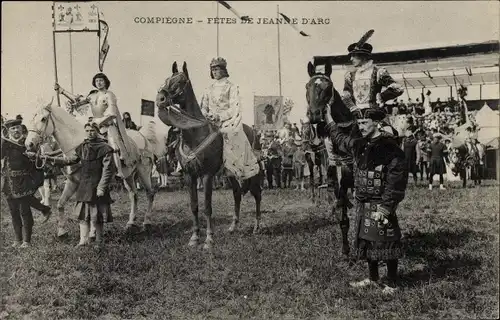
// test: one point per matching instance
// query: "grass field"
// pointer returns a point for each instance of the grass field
(292, 270)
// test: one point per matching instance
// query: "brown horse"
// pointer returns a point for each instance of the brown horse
(199, 149)
(321, 94)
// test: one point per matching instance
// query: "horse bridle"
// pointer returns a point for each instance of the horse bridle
(170, 97)
(43, 137)
(322, 76)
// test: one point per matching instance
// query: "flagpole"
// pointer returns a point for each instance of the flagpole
(54, 47)
(279, 57)
(217, 24)
(71, 60)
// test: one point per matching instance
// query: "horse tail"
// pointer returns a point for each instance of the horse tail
(156, 140)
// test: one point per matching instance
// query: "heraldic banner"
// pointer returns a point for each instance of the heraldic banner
(75, 16)
(268, 113)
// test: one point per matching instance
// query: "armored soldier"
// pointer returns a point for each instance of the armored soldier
(20, 182)
(103, 104)
(380, 180)
(93, 201)
(221, 105)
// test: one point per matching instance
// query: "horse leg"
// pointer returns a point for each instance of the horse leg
(344, 218)
(237, 194)
(208, 185)
(463, 175)
(310, 164)
(130, 185)
(256, 192)
(193, 193)
(144, 175)
(62, 220)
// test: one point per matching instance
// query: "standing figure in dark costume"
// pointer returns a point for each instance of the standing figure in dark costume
(381, 176)
(423, 157)
(437, 151)
(410, 149)
(93, 201)
(21, 180)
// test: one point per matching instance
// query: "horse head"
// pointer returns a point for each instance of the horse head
(320, 94)
(41, 127)
(177, 94)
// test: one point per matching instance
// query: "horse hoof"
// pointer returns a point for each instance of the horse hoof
(193, 242)
(207, 246)
(256, 230)
(131, 228)
(92, 238)
(62, 236)
(148, 228)
(233, 227)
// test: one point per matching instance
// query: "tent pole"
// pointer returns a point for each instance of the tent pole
(480, 92)
(451, 92)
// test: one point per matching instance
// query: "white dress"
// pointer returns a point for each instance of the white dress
(222, 99)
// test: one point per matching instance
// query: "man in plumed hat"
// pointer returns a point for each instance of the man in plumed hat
(380, 180)
(221, 106)
(20, 182)
(363, 86)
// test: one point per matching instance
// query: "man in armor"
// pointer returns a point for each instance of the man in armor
(380, 181)
(104, 108)
(221, 106)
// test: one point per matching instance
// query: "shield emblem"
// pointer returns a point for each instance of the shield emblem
(361, 90)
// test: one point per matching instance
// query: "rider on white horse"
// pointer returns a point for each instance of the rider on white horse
(103, 104)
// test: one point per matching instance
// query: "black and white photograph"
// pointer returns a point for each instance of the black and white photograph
(250, 160)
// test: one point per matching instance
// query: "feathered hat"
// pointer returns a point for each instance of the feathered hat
(362, 47)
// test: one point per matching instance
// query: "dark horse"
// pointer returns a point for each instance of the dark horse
(321, 94)
(199, 150)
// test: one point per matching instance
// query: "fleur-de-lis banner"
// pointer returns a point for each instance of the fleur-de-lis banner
(75, 16)
(103, 41)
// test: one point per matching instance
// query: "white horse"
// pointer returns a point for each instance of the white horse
(69, 133)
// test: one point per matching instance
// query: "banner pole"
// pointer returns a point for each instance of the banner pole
(54, 49)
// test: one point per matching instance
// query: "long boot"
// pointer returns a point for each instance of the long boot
(84, 233)
(99, 235)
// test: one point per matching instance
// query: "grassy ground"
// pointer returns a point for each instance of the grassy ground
(291, 270)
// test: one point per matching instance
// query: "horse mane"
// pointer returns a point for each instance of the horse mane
(73, 129)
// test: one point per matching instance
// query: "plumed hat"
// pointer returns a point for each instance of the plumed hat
(366, 48)
(362, 47)
(12, 123)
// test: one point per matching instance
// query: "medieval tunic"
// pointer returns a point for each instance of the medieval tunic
(222, 99)
(437, 165)
(410, 149)
(20, 182)
(363, 87)
(95, 157)
(21, 177)
(380, 179)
